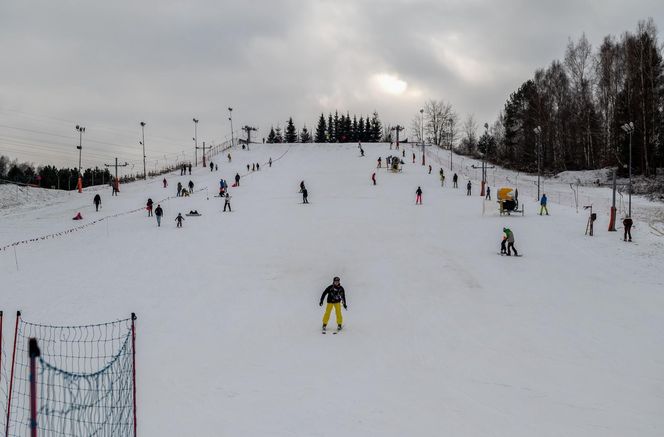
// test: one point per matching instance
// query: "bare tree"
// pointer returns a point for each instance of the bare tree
(469, 140)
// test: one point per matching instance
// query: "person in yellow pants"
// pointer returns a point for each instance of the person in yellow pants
(336, 296)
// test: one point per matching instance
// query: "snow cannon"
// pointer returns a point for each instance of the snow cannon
(508, 201)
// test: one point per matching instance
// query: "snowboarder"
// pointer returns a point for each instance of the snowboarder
(248, 168)
(270, 161)
(191, 187)
(179, 219)
(418, 197)
(373, 178)
(305, 193)
(361, 151)
(253, 167)
(413, 157)
(229, 157)
(403, 153)
(179, 189)
(627, 223)
(97, 201)
(469, 187)
(116, 187)
(227, 203)
(158, 212)
(149, 207)
(237, 179)
(258, 166)
(488, 193)
(211, 167)
(543, 204)
(78, 216)
(165, 183)
(510, 242)
(380, 161)
(455, 180)
(429, 168)
(336, 296)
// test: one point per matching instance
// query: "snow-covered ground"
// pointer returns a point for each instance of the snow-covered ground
(443, 336)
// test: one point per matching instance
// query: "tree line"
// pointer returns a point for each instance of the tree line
(333, 129)
(49, 176)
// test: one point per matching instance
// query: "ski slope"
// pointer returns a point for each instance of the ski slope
(442, 335)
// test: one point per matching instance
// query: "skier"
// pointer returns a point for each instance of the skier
(510, 242)
(455, 179)
(373, 178)
(179, 219)
(190, 168)
(301, 186)
(429, 168)
(543, 204)
(418, 197)
(442, 177)
(305, 193)
(211, 166)
(403, 153)
(97, 201)
(380, 161)
(229, 157)
(270, 161)
(149, 207)
(361, 151)
(237, 179)
(227, 203)
(488, 193)
(191, 187)
(253, 167)
(469, 187)
(182, 169)
(158, 212)
(179, 189)
(413, 157)
(258, 166)
(165, 183)
(336, 296)
(116, 187)
(627, 223)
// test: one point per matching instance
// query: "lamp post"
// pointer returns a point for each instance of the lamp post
(230, 118)
(80, 130)
(538, 133)
(629, 129)
(422, 134)
(145, 171)
(451, 147)
(195, 142)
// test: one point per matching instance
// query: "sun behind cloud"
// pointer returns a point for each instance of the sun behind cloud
(389, 83)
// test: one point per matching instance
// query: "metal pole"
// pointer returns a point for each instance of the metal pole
(230, 118)
(630, 173)
(195, 142)
(80, 149)
(33, 352)
(145, 172)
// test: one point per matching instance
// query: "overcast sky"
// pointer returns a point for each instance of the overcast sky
(109, 65)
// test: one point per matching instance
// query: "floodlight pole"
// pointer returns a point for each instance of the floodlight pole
(195, 142)
(145, 171)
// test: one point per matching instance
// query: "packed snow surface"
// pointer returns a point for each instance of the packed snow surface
(443, 336)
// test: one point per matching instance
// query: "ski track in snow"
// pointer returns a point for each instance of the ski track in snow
(443, 336)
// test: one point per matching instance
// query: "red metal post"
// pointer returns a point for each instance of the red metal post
(33, 351)
(11, 377)
(133, 367)
(0, 346)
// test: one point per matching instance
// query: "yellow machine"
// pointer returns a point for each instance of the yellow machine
(508, 201)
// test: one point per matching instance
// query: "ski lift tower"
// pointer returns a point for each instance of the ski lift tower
(248, 130)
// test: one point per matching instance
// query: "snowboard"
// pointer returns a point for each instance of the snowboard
(504, 254)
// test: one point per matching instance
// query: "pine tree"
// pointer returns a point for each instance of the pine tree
(360, 129)
(342, 129)
(278, 136)
(330, 129)
(376, 128)
(320, 130)
(291, 134)
(305, 136)
(337, 127)
(348, 128)
(271, 136)
(354, 129)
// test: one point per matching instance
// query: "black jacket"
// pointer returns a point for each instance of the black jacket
(334, 294)
(158, 212)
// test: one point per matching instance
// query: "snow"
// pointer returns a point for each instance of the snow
(442, 335)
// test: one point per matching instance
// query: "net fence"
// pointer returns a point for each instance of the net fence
(84, 380)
